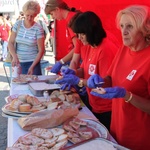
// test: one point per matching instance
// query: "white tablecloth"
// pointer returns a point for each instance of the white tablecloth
(14, 130)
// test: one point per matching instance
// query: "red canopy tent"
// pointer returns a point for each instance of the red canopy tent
(106, 10)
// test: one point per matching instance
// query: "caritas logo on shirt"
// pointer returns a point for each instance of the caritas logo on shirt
(92, 69)
(131, 75)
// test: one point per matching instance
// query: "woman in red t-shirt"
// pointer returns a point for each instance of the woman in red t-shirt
(129, 80)
(59, 10)
(99, 52)
(4, 35)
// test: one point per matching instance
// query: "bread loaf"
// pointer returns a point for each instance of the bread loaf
(24, 107)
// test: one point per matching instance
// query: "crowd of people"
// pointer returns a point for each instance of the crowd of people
(115, 79)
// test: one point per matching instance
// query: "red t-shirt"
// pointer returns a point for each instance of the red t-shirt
(4, 32)
(69, 33)
(80, 48)
(129, 125)
(97, 61)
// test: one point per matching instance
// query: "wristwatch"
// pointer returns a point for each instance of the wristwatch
(81, 84)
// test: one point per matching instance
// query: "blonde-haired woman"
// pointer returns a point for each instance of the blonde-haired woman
(129, 80)
(29, 37)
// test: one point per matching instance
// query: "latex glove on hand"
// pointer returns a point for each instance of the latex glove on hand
(69, 79)
(95, 81)
(67, 71)
(81, 91)
(112, 92)
(66, 87)
(56, 68)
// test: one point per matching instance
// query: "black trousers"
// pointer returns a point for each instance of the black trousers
(86, 101)
(104, 118)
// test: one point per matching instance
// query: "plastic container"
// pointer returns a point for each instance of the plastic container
(46, 95)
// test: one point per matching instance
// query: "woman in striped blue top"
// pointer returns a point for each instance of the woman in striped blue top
(29, 38)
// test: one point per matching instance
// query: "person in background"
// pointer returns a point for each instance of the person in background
(30, 40)
(21, 16)
(51, 29)
(128, 80)
(59, 10)
(4, 35)
(45, 28)
(99, 52)
(13, 20)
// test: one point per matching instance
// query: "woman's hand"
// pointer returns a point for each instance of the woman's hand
(30, 70)
(95, 81)
(69, 79)
(56, 68)
(15, 61)
(66, 71)
(112, 92)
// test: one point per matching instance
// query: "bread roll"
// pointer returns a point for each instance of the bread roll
(25, 107)
(33, 100)
(23, 98)
(14, 105)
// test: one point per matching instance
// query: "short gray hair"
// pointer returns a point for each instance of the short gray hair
(31, 5)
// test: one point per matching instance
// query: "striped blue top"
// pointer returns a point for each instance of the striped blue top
(26, 40)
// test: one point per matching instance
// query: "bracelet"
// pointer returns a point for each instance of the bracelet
(130, 98)
(62, 62)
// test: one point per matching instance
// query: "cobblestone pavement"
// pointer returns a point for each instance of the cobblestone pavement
(4, 91)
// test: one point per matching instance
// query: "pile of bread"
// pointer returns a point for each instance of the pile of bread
(25, 103)
(63, 99)
(57, 100)
(42, 139)
(55, 138)
(23, 78)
